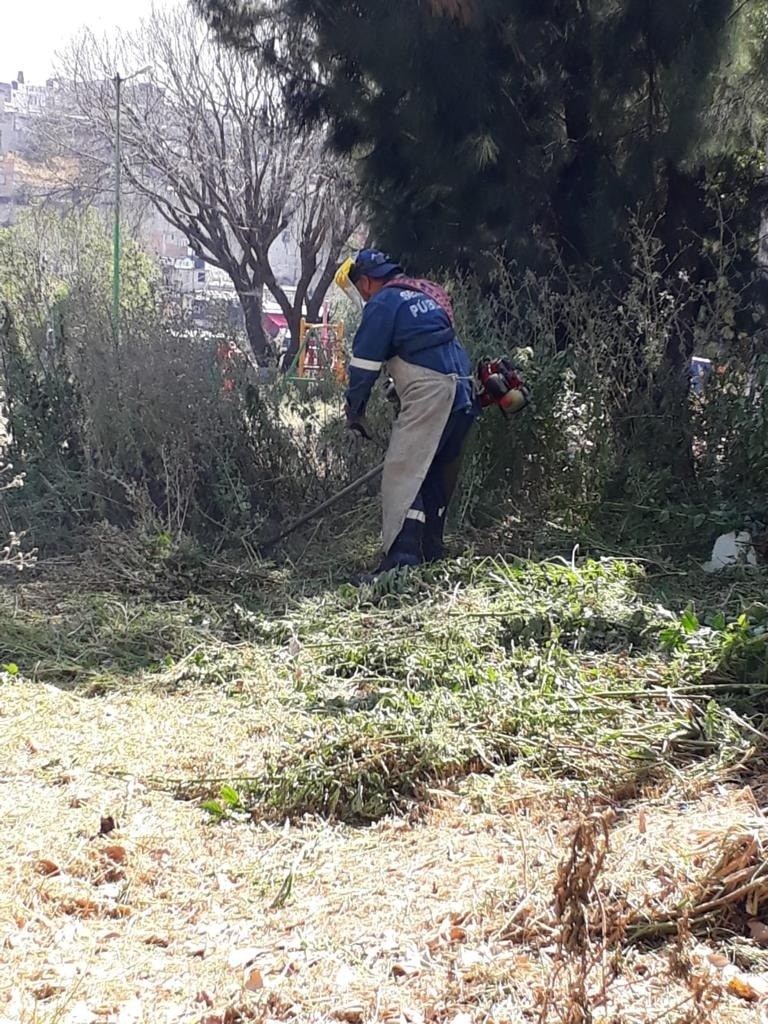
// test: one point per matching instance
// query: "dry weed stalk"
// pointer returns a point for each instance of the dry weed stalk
(576, 900)
(11, 554)
(735, 882)
(705, 996)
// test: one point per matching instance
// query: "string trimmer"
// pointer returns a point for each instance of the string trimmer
(309, 516)
(499, 382)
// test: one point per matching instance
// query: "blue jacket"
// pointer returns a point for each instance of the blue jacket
(405, 323)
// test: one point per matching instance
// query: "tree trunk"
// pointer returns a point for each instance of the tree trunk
(250, 300)
(684, 224)
(315, 306)
(313, 317)
(293, 319)
(581, 176)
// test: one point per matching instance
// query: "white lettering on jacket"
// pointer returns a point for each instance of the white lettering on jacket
(423, 306)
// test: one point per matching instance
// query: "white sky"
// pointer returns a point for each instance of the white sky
(32, 30)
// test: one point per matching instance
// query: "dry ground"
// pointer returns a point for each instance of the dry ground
(169, 917)
(510, 897)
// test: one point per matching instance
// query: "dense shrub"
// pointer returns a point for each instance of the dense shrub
(615, 418)
(159, 430)
(169, 427)
(165, 430)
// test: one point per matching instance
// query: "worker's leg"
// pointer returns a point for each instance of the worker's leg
(421, 537)
(440, 483)
(406, 549)
(435, 503)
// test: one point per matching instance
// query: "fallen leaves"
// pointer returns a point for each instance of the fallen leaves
(109, 865)
(451, 930)
(107, 824)
(403, 924)
(714, 971)
(46, 990)
(352, 1014)
(47, 867)
(752, 987)
(410, 964)
(117, 854)
(98, 865)
(84, 907)
(254, 980)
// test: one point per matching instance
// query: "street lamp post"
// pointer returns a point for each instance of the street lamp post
(116, 236)
(117, 239)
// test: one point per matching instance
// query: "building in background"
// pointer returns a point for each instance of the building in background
(23, 175)
(203, 290)
(22, 180)
(20, 103)
(163, 240)
(7, 188)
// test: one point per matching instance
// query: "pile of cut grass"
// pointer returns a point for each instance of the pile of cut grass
(422, 680)
(578, 672)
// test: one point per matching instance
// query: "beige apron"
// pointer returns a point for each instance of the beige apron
(426, 400)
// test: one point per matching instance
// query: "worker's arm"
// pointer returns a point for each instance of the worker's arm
(370, 350)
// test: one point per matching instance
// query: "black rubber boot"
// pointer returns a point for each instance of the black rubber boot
(438, 492)
(404, 553)
(406, 549)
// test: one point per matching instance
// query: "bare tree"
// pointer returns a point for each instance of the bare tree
(206, 137)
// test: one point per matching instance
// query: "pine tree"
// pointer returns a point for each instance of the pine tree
(539, 126)
(479, 123)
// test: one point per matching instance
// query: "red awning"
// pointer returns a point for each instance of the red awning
(273, 322)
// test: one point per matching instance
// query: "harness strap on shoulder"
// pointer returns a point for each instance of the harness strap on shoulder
(428, 288)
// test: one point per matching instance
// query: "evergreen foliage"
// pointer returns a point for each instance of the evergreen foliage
(479, 123)
(547, 130)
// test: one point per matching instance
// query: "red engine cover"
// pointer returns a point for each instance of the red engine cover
(497, 377)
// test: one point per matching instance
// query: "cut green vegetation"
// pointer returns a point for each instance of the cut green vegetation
(548, 759)
(423, 679)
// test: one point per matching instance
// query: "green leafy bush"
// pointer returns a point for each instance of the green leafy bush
(155, 431)
(615, 423)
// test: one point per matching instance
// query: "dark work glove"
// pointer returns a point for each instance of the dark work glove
(357, 423)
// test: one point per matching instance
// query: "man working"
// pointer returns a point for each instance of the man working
(408, 324)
